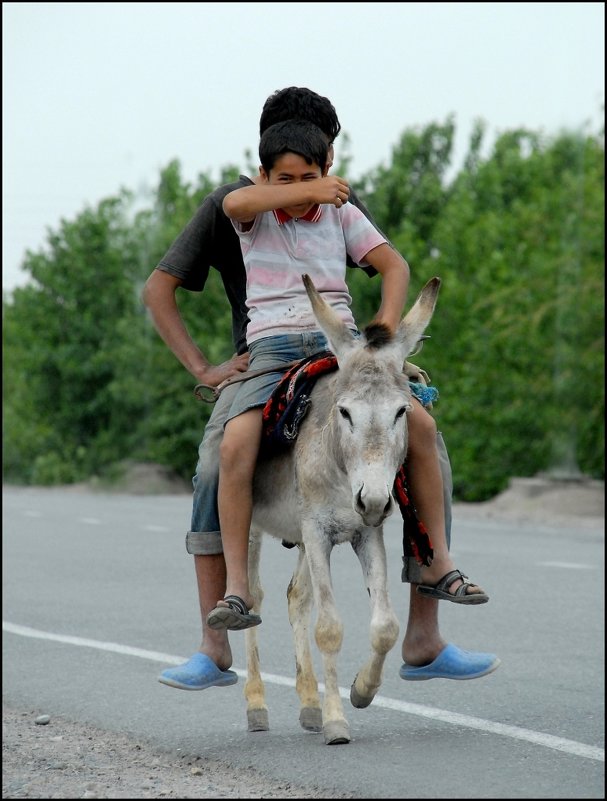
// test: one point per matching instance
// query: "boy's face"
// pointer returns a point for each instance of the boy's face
(291, 168)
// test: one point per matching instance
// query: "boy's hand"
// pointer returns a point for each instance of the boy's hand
(331, 190)
(213, 375)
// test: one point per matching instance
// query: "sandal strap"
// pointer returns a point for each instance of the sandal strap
(461, 590)
(454, 575)
(448, 579)
(236, 604)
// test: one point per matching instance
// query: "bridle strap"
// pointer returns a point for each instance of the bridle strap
(200, 389)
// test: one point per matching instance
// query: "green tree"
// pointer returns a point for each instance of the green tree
(518, 241)
(516, 346)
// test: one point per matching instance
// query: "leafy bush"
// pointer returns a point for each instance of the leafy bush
(516, 344)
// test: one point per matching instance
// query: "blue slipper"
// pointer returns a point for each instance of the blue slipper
(452, 663)
(197, 673)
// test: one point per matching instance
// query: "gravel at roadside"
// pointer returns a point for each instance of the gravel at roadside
(64, 759)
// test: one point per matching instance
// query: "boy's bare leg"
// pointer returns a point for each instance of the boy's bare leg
(423, 641)
(238, 451)
(211, 581)
(426, 486)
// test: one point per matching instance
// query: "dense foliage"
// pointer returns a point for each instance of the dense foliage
(516, 345)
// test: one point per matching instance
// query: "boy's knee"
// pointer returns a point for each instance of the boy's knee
(237, 460)
(228, 453)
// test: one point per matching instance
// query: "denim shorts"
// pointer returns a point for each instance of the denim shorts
(267, 352)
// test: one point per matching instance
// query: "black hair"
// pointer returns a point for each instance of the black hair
(293, 136)
(297, 102)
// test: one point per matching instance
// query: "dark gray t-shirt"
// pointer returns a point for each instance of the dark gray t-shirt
(209, 240)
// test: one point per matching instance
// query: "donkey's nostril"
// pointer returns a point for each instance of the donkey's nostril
(360, 504)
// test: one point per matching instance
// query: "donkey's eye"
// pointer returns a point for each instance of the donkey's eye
(345, 414)
(401, 412)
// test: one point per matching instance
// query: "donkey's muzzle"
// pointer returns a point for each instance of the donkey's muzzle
(373, 507)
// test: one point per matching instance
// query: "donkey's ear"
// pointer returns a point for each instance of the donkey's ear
(413, 325)
(341, 338)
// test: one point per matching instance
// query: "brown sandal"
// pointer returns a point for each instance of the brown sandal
(440, 590)
(235, 616)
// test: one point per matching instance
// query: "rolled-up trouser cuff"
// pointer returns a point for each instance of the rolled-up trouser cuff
(203, 543)
(411, 573)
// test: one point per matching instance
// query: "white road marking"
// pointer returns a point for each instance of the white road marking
(567, 565)
(453, 718)
(92, 521)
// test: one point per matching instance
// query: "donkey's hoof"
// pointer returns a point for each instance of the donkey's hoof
(337, 732)
(257, 720)
(310, 718)
(358, 700)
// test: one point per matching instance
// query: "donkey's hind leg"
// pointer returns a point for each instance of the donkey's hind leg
(383, 633)
(299, 596)
(254, 690)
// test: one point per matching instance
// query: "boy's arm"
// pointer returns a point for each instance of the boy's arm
(243, 205)
(394, 272)
(356, 201)
(159, 297)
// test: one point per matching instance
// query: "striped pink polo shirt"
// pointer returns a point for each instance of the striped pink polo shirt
(278, 249)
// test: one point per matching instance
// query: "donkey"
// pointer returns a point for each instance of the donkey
(334, 485)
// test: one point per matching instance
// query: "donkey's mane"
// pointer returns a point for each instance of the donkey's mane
(377, 335)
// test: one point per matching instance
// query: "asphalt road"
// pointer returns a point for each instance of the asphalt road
(99, 595)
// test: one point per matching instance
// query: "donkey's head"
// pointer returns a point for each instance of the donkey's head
(372, 397)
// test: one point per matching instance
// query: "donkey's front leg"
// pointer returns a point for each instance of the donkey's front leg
(328, 631)
(371, 552)
(254, 690)
(299, 596)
